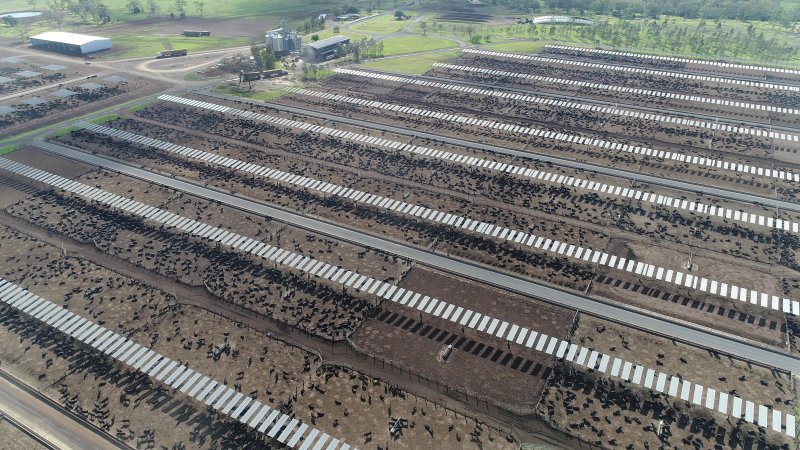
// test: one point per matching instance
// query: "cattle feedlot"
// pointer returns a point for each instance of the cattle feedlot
(564, 248)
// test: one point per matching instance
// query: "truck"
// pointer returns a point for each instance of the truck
(253, 76)
(194, 33)
(249, 76)
(171, 53)
(274, 73)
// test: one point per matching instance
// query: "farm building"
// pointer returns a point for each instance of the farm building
(70, 43)
(325, 49)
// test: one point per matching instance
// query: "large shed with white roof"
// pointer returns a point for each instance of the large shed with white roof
(70, 43)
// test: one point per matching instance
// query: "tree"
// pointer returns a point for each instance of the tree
(255, 51)
(475, 39)
(83, 9)
(269, 58)
(10, 22)
(424, 27)
(531, 30)
(264, 57)
(134, 6)
(152, 8)
(310, 72)
(317, 23)
(198, 6)
(32, 3)
(180, 7)
(399, 15)
(24, 30)
(101, 14)
(88, 8)
(99, 11)
(236, 64)
(336, 29)
(314, 37)
(57, 11)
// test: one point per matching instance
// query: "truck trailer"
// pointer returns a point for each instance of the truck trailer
(193, 33)
(171, 53)
(253, 76)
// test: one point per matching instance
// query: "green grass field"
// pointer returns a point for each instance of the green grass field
(233, 89)
(139, 44)
(37, 27)
(644, 43)
(141, 106)
(384, 24)
(255, 9)
(66, 130)
(412, 44)
(328, 32)
(412, 65)
(398, 45)
(103, 119)
(146, 40)
(8, 149)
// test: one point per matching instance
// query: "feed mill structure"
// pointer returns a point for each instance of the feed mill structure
(283, 40)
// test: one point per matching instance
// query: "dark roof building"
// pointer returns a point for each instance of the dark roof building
(325, 49)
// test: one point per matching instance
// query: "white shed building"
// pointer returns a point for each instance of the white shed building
(70, 43)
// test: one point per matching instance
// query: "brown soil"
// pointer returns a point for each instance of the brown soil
(270, 370)
(12, 438)
(478, 360)
(612, 413)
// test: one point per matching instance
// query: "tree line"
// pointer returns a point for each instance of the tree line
(95, 11)
(178, 8)
(56, 12)
(357, 50)
(669, 36)
(87, 10)
(705, 39)
(758, 10)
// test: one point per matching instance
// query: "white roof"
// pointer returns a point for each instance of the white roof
(67, 38)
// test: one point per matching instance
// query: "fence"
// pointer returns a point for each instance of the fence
(514, 421)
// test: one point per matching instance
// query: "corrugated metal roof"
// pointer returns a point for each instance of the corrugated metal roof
(328, 42)
(67, 38)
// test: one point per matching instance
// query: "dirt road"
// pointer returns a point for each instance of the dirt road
(51, 423)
